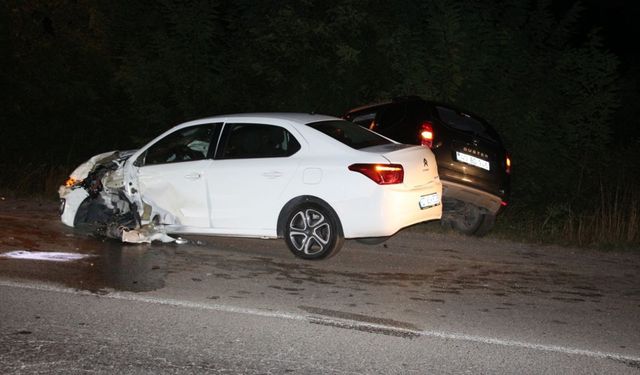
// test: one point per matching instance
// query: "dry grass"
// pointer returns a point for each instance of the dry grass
(613, 221)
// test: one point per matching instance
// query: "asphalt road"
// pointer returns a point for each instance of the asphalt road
(421, 303)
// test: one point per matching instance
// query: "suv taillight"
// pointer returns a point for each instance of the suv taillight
(381, 174)
(426, 134)
(507, 164)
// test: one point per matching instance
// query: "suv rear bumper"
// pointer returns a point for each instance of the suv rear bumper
(479, 198)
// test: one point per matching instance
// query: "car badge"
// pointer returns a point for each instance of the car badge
(425, 162)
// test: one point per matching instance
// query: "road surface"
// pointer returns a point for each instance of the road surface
(420, 303)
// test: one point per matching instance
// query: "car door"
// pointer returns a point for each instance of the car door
(253, 166)
(171, 176)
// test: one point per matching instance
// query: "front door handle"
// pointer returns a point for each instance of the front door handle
(193, 176)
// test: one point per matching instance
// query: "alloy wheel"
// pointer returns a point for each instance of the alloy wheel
(309, 231)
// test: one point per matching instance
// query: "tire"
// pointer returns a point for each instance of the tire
(468, 221)
(313, 232)
(95, 218)
(488, 221)
(91, 211)
(472, 221)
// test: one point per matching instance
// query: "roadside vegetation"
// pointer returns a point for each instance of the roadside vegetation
(82, 77)
(614, 223)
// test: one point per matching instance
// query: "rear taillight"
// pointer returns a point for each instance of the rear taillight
(426, 134)
(507, 164)
(381, 174)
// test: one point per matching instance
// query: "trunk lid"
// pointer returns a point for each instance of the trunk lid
(418, 162)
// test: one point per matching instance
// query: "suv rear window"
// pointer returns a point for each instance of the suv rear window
(464, 122)
(351, 135)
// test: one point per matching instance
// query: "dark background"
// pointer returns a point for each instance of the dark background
(558, 79)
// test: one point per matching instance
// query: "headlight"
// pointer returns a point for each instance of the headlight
(71, 182)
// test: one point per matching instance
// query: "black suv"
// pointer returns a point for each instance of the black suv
(472, 162)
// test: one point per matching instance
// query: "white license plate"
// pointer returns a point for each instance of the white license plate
(429, 200)
(470, 159)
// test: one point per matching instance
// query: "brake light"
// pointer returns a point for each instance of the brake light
(426, 134)
(381, 174)
(508, 164)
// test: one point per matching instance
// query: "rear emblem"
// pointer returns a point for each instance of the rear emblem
(425, 162)
(475, 152)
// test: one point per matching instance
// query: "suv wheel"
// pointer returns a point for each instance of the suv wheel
(488, 221)
(471, 220)
(313, 232)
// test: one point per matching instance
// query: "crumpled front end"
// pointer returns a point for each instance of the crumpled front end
(94, 198)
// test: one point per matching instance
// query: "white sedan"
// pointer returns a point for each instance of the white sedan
(313, 180)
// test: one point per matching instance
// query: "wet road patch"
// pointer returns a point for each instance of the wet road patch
(98, 270)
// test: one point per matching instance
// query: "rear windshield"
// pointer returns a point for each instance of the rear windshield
(466, 123)
(350, 134)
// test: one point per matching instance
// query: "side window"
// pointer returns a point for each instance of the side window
(245, 141)
(187, 144)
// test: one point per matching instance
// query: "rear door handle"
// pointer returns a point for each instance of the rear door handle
(272, 174)
(193, 176)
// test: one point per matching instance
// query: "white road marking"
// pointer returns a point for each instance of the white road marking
(334, 321)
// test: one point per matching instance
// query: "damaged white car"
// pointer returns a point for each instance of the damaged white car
(313, 180)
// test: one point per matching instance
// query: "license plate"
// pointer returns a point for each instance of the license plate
(470, 159)
(429, 200)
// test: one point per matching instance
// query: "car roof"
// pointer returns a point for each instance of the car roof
(298, 121)
(294, 117)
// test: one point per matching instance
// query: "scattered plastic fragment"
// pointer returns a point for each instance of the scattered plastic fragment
(181, 241)
(145, 235)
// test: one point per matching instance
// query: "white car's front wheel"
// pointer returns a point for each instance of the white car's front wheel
(313, 232)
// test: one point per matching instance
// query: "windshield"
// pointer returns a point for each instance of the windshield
(350, 134)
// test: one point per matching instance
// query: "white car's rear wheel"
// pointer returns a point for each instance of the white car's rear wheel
(313, 232)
